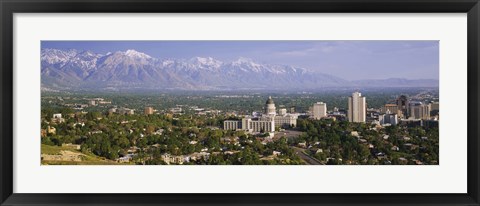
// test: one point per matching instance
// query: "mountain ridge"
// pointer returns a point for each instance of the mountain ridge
(71, 69)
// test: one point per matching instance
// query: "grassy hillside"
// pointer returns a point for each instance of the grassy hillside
(67, 155)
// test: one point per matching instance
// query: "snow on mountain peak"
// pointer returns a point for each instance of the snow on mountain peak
(54, 56)
(208, 61)
(132, 68)
(136, 54)
(246, 64)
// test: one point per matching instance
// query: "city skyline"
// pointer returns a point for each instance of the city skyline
(374, 59)
(138, 130)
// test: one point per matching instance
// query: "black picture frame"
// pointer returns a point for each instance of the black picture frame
(9, 7)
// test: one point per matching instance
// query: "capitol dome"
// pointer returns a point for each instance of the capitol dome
(270, 101)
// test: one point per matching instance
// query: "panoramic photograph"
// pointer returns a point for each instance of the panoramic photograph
(235, 102)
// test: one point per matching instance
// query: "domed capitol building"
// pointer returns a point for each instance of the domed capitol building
(266, 122)
(270, 107)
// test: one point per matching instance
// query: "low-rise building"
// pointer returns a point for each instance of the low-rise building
(148, 111)
(286, 120)
(51, 130)
(57, 118)
(125, 111)
(388, 118)
(319, 110)
(262, 122)
(173, 159)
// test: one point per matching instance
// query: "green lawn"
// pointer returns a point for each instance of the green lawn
(52, 150)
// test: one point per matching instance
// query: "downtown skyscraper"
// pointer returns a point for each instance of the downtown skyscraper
(357, 108)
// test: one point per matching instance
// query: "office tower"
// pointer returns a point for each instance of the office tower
(418, 110)
(357, 108)
(319, 110)
(402, 105)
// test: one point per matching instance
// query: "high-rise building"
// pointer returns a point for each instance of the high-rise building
(434, 109)
(319, 110)
(357, 108)
(434, 106)
(392, 108)
(389, 107)
(418, 110)
(148, 110)
(403, 106)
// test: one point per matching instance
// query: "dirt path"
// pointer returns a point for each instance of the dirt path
(64, 155)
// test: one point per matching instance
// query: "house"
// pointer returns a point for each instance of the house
(79, 123)
(316, 150)
(380, 154)
(158, 132)
(51, 130)
(362, 141)
(203, 155)
(123, 159)
(193, 142)
(230, 152)
(173, 159)
(404, 138)
(126, 158)
(302, 144)
(417, 162)
(57, 118)
(95, 132)
(354, 133)
(402, 160)
(266, 141)
(410, 146)
(43, 132)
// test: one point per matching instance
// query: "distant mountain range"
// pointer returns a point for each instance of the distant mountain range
(133, 70)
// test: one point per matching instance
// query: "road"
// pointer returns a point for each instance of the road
(290, 134)
(309, 160)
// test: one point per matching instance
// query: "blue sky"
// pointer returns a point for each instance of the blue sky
(350, 60)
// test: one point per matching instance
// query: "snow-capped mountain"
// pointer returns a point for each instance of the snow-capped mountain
(85, 70)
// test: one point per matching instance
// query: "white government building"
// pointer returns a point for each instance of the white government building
(264, 123)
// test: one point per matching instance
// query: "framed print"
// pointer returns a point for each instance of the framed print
(251, 103)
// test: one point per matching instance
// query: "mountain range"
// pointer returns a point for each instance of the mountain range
(71, 69)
